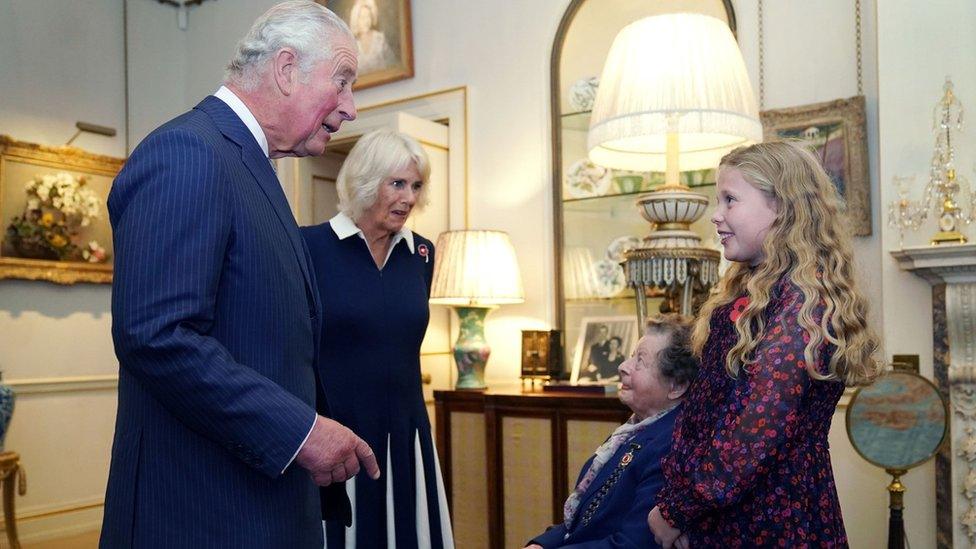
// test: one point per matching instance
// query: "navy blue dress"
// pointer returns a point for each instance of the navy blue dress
(373, 324)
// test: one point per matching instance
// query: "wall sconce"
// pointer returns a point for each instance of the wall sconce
(182, 9)
(90, 128)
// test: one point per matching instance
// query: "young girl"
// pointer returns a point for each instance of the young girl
(779, 339)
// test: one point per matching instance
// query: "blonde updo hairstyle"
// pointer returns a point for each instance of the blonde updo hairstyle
(375, 156)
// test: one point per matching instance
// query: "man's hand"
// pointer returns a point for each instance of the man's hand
(333, 453)
(664, 534)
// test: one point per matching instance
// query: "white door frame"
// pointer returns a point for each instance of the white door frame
(449, 106)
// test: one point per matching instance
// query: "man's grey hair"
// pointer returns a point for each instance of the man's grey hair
(309, 28)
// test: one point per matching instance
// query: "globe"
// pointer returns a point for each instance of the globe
(898, 422)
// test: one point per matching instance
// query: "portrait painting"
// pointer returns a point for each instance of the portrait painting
(54, 213)
(602, 346)
(383, 38)
(836, 133)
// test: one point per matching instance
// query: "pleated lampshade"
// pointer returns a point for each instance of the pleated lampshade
(475, 268)
(678, 73)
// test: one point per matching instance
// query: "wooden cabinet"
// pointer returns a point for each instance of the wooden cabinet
(509, 458)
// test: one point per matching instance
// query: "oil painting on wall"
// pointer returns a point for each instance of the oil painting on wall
(383, 37)
(54, 214)
(836, 132)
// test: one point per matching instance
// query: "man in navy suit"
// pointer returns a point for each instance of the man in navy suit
(215, 309)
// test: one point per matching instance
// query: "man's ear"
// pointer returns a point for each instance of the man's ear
(284, 66)
(677, 391)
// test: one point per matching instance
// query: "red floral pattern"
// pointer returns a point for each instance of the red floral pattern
(749, 465)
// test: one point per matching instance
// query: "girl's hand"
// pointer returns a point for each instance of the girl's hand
(534, 546)
(664, 534)
(682, 542)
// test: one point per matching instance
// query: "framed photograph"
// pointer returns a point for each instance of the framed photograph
(604, 343)
(54, 213)
(836, 131)
(382, 31)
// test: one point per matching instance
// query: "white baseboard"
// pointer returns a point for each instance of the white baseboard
(59, 521)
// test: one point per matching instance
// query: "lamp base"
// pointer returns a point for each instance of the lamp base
(948, 237)
(471, 350)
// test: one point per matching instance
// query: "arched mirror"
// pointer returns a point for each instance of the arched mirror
(595, 216)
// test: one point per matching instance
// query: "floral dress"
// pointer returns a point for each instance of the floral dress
(750, 465)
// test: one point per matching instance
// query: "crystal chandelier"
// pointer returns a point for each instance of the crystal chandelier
(942, 195)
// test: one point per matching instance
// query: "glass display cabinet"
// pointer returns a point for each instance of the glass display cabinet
(595, 215)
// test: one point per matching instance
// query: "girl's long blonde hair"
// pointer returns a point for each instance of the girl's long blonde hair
(808, 242)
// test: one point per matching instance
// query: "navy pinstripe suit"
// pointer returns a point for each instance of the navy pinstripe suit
(215, 324)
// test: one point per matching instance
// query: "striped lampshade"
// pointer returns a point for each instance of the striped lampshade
(475, 268)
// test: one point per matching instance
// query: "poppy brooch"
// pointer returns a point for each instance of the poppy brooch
(424, 252)
(738, 308)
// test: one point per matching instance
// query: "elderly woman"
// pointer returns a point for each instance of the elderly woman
(374, 50)
(374, 277)
(617, 486)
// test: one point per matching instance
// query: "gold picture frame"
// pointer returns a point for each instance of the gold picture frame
(836, 131)
(38, 240)
(383, 33)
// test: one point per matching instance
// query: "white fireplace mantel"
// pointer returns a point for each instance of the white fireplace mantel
(940, 264)
(955, 266)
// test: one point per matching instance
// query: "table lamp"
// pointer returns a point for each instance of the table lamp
(474, 272)
(674, 95)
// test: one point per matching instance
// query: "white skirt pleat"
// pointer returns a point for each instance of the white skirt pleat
(390, 522)
(423, 517)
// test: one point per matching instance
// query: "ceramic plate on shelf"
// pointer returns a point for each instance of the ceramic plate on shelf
(585, 179)
(582, 93)
(616, 249)
(608, 277)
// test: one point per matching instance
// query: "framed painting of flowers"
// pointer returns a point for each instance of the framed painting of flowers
(53, 212)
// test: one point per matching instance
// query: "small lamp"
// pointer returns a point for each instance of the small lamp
(474, 272)
(674, 90)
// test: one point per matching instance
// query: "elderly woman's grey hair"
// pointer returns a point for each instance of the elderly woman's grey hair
(309, 28)
(377, 155)
(676, 361)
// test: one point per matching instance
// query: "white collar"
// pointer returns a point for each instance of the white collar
(344, 227)
(244, 113)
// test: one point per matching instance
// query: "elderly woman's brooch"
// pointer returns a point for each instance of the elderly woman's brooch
(424, 253)
(629, 456)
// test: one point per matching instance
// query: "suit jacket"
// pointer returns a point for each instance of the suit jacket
(613, 511)
(215, 323)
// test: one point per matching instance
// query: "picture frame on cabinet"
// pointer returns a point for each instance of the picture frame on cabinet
(54, 213)
(382, 29)
(836, 132)
(604, 342)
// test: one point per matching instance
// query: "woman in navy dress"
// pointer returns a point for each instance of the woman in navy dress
(374, 277)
